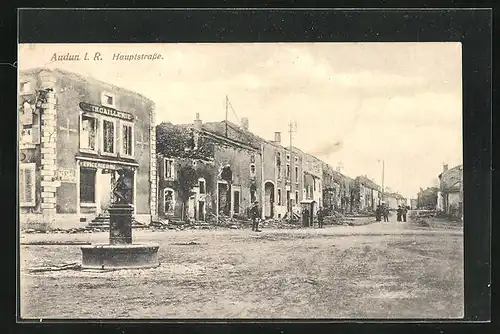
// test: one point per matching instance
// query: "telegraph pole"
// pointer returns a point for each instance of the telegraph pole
(227, 102)
(292, 127)
(383, 175)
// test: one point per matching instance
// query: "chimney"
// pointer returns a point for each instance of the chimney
(197, 122)
(277, 137)
(244, 123)
(445, 167)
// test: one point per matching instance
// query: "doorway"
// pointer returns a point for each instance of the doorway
(269, 199)
(223, 199)
(104, 189)
(201, 210)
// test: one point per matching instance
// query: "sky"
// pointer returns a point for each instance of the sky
(357, 104)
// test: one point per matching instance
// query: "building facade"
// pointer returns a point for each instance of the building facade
(450, 194)
(75, 134)
(368, 194)
(215, 174)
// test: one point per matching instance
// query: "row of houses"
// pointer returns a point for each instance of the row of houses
(77, 132)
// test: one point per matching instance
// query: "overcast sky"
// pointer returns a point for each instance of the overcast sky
(355, 103)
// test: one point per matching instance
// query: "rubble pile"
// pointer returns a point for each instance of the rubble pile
(422, 223)
(279, 224)
(423, 214)
(364, 213)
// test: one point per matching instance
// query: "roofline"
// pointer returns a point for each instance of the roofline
(37, 70)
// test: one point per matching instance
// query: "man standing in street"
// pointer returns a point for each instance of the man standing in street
(254, 213)
(404, 211)
(320, 215)
(385, 211)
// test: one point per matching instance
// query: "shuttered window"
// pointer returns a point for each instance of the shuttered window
(127, 139)
(27, 185)
(108, 136)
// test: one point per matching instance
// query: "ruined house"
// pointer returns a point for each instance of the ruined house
(206, 172)
(450, 195)
(367, 194)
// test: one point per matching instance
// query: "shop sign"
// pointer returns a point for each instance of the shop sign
(100, 165)
(105, 166)
(66, 175)
(106, 111)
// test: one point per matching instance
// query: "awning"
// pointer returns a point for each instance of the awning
(307, 201)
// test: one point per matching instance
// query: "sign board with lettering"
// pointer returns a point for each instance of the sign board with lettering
(106, 111)
(66, 175)
(108, 166)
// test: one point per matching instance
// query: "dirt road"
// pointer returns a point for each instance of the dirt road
(372, 271)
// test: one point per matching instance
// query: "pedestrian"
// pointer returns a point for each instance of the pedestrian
(399, 213)
(378, 213)
(254, 213)
(320, 217)
(404, 211)
(305, 217)
(385, 212)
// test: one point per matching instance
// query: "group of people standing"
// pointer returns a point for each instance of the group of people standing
(383, 211)
(402, 212)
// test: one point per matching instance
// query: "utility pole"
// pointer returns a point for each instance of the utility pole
(383, 175)
(292, 127)
(227, 102)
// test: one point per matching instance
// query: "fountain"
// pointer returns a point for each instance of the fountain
(120, 252)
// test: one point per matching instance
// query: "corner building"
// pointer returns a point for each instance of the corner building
(75, 133)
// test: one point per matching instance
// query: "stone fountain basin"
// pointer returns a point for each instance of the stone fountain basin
(120, 256)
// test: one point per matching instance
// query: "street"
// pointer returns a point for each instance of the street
(378, 270)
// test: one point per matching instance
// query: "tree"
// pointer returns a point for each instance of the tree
(178, 141)
(427, 197)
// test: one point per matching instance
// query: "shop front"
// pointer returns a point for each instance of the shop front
(97, 178)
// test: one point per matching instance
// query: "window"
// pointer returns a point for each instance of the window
(296, 159)
(27, 185)
(87, 185)
(252, 169)
(108, 136)
(253, 190)
(288, 157)
(169, 168)
(279, 196)
(88, 133)
(296, 174)
(287, 171)
(296, 197)
(278, 165)
(314, 184)
(201, 185)
(108, 99)
(236, 201)
(127, 139)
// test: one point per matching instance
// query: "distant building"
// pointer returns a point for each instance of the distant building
(413, 203)
(450, 195)
(312, 191)
(75, 133)
(368, 194)
(393, 200)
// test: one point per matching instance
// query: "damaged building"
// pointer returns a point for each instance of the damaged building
(367, 194)
(450, 194)
(203, 172)
(75, 134)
